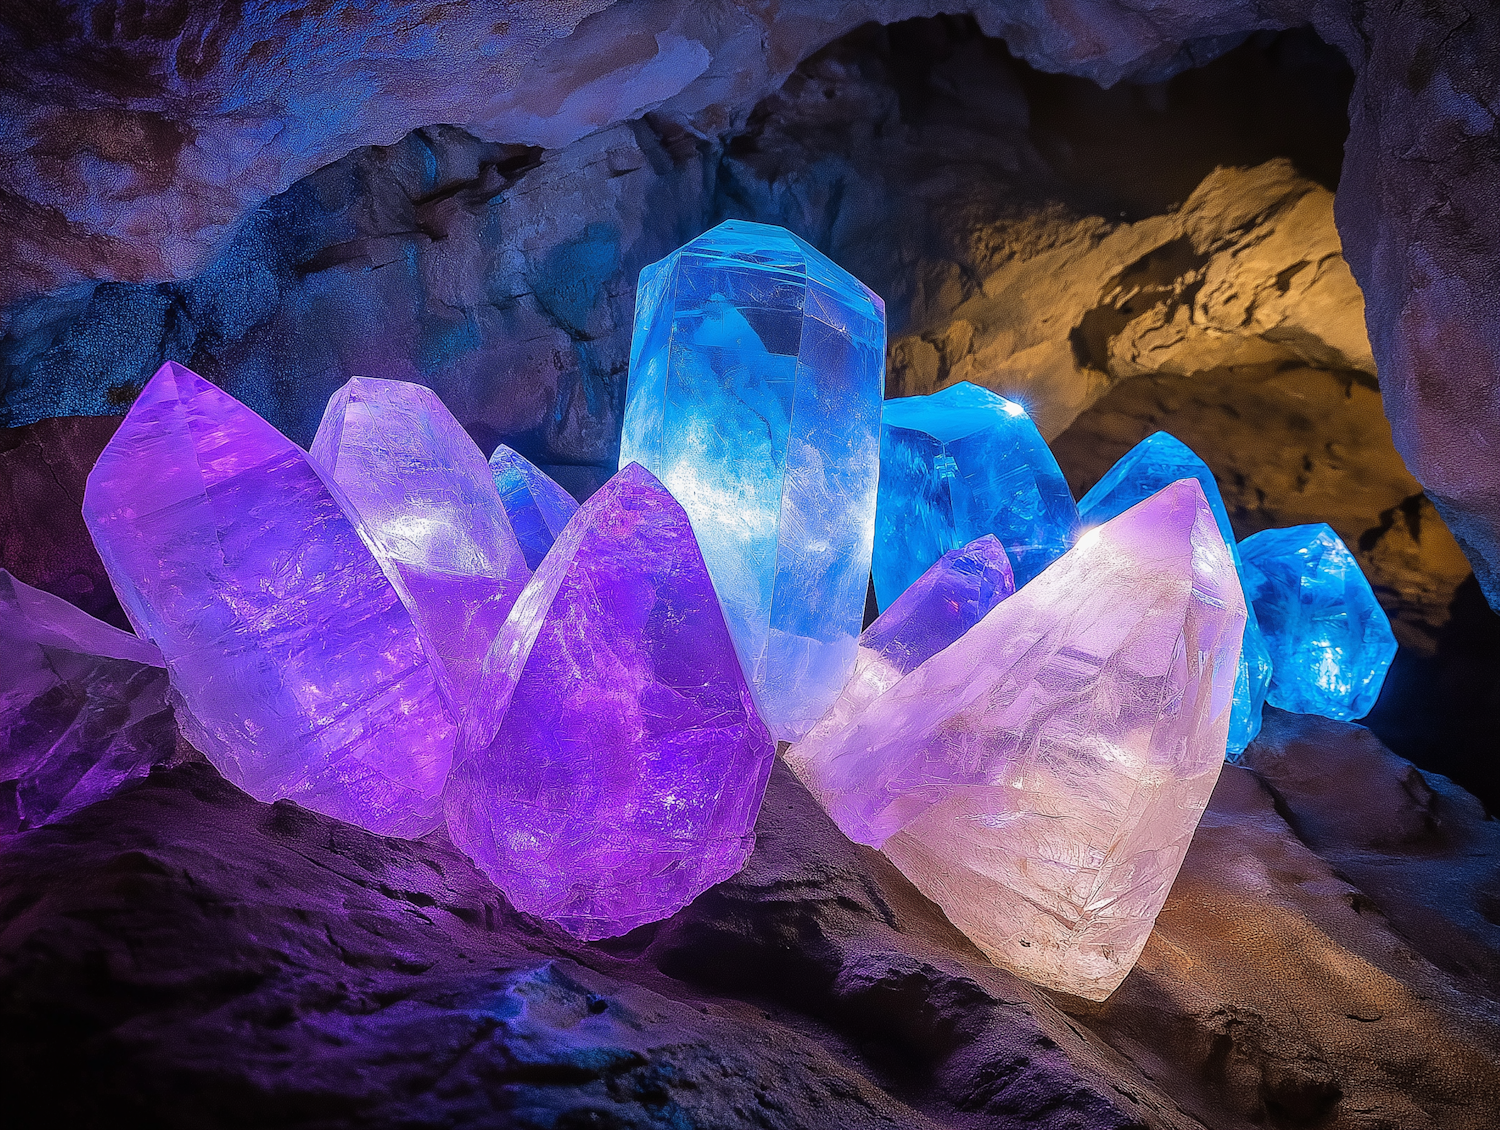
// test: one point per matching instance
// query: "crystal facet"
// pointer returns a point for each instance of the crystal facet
(537, 506)
(298, 670)
(627, 763)
(756, 376)
(1041, 778)
(428, 502)
(1157, 460)
(1329, 638)
(959, 464)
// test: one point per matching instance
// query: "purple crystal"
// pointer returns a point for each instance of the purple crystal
(627, 762)
(425, 496)
(298, 670)
(39, 617)
(538, 507)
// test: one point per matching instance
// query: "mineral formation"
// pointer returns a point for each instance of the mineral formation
(538, 508)
(297, 668)
(1040, 779)
(627, 762)
(1330, 641)
(427, 500)
(1157, 460)
(756, 375)
(956, 465)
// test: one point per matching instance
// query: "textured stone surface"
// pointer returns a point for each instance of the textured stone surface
(1040, 779)
(1330, 641)
(1157, 460)
(537, 507)
(954, 466)
(756, 375)
(425, 496)
(616, 762)
(296, 667)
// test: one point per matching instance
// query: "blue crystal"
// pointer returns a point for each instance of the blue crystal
(955, 466)
(757, 370)
(1330, 641)
(1153, 463)
(537, 507)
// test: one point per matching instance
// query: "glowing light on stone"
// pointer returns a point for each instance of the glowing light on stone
(1040, 779)
(959, 464)
(298, 670)
(1157, 460)
(756, 375)
(538, 508)
(627, 763)
(428, 501)
(1329, 638)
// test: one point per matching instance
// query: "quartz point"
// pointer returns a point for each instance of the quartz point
(428, 502)
(757, 370)
(537, 506)
(37, 617)
(1157, 460)
(958, 464)
(1041, 778)
(296, 667)
(946, 601)
(620, 762)
(1330, 640)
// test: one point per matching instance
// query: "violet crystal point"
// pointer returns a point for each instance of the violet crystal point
(756, 375)
(537, 506)
(627, 762)
(298, 670)
(954, 466)
(39, 617)
(1329, 638)
(1157, 460)
(1040, 779)
(428, 502)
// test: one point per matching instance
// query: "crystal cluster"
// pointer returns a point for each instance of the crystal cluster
(538, 508)
(1157, 460)
(627, 762)
(298, 670)
(756, 376)
(428, 502)
(959, 464)
(1329, 639)
(1040, 778)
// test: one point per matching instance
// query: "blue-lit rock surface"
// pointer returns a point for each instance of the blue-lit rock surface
(756, 377)
(1156, 461)
(959, 464)
(538, 508)
(1330, 640)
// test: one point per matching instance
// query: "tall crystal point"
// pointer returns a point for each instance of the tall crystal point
(959, 464)
(1329, 638)
(298, 670)
(425, 496)
(537, 506)
(1157, 460)
(756, 375)
(1041, 778)
(627, 762)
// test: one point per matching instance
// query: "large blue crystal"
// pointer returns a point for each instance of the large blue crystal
(757, 371)
(1330, 641)
(955, 466)
(1146, 468)
(537, 507)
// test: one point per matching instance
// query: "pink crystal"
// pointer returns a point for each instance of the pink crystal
(627, 763)
(425, 496)
(297, 669)
(1041, 778)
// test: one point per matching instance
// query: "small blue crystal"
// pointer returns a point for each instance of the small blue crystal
(1330, 641)
(1153, 463)
(537, 507)
(757, 370)
(955, 466)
